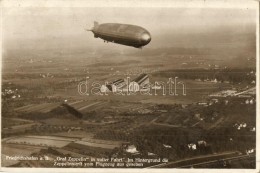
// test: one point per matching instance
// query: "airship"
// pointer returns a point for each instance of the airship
(124, 34)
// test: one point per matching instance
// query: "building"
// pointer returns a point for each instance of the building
(139, 82)
(117, 84)
(104, 88)
(131, 149)
(214, 81)
(167, 146)
(202, 143)
(192, 146)
(202, 103)
(133, 86)
(151, 154)
(113, 86)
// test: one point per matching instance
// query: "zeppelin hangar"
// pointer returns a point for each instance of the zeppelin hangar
(137, 84)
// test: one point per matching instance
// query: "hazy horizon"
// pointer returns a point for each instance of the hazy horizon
(47, 28)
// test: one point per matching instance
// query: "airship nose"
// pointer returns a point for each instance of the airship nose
(145, 38)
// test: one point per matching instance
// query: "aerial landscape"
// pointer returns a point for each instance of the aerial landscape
(72, 100)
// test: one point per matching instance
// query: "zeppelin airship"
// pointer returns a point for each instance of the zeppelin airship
(125, 34)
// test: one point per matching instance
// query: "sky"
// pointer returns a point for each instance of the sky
(22, 25)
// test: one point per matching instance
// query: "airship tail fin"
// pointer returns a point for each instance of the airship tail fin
(95, 25)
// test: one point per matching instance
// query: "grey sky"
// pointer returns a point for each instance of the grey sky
(49, 23)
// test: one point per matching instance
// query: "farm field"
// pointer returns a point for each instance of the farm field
(40, 141)
(43, 108)
(16, 150)
(97, 144)
(51, 116)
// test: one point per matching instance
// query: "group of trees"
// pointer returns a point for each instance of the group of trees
(220, 138)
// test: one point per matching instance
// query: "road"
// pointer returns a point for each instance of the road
(223, 161)
(199, 160)
(92, 104)
(153, 122)
(18, 128)
(246, 91)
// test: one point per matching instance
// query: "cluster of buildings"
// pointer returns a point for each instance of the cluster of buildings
(245, 93)
(9, 93)
(193, 146)
(249, 101)
(240, 126)
(131, 149)
(250, 151)
(48, 75)
(207, 80)
(224, 93)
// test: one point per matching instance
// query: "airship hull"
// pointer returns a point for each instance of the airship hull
(125, 34)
